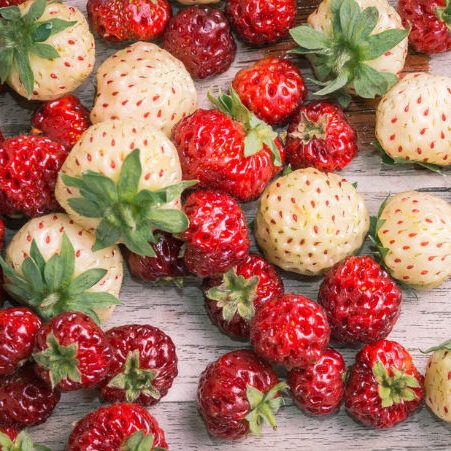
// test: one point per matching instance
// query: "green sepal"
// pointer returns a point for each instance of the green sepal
(60, 361)
(135, 380)
(375, 225)
(263, 407)
(236, 294)
(446, 346)
(23, 442)
(258, 133)
(22, 35)
(340, 58)
(51, 287)
(139, 441)
(396, 388)
(287, 170)
(444, 13)
(128, 215)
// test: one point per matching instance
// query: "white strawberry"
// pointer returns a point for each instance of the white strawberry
(413, 120)
(121, 181)
(413, 235)
(437, 381)
(51, 267)
(309, 220)
(53, 53)
(144, 82)
(345, 53)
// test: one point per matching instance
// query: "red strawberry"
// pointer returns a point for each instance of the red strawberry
(361, 300)
(228, 150)
(384, 387)
(18, 329)
(29, 167)
(217, 236)
(238, 393)
(117, 427)
(232, 299)
(63, 120)
(72, 352)
(167, 264)
(126, 20)
(2, 237)
(25, 400)
(291, 330)
(144, 365)
(201, 39)
(429, 23)
(261, 21)
(320, 136)
(273, 89)
(319, 388)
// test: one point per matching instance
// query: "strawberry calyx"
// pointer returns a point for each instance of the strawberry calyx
(263, 407)
(376, 222)
(396, 388)
(258, 133)
(22, 35)
(446, 346)
(236, 294)
(308, 130)
(50, 287)
(339, 57)
(127, 214)
(134, 379)
(444, 13)
(139, 441)
(23, 442)
(60, 361)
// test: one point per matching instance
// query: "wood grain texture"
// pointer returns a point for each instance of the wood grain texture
(425, 318)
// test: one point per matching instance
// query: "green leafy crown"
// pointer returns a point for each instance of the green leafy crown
(50, 288)
(23, 442)
(139, 441)
(236, 294)
(21, 36)
(127, 215)
(258, 133)
(339, 58)
(444, 13)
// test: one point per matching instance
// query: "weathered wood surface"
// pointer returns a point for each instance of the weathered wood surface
(425, 318)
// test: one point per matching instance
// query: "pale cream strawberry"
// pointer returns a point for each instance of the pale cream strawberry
(309, 220)
(413, 119)
(414, 228)
(437, 382)
(47, 231)
(144, 82)
(56, 77)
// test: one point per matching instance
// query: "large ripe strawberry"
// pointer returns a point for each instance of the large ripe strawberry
(18, 329)
(232, 298)
(125, 20)
(50, 266)
(355, 46)
(117, 427)
(228, 149)
(437, 381)
(412, 236)
(290, 330)
(217, 236)
(29, 168)
(319, 388)
(201, 39)
(146, 83)
(12, 440)
(50, 51)
(383, 387)
(63, 120)
(429, 23)
(72, 352)
(320, 136)
(361, 300)
(308, 221)
(26, 400)
(121, 181)
(144, 365)
(273, 89)
(261, 22)
(237, 394)
(412, 121)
